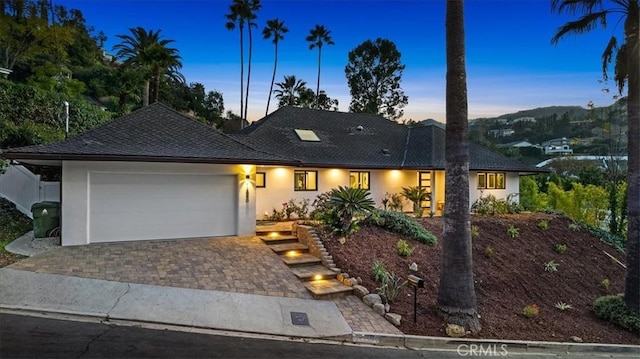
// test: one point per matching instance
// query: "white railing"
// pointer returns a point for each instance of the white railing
(23, 188)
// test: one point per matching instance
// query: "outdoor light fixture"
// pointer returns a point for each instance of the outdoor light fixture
(247, 178)
(317, 277)
(416, 282)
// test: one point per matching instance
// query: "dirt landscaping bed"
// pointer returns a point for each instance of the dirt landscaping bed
(508, 276)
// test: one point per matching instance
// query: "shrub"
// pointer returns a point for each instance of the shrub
(562, 306)
(605, 284)
(490, 205)
(379, 271)
(403, 248)
(402, 224)
(612, 308)
(543, 225)
(391, 286)
(574, 226)
(349, 202)
(551, 266)
(513, 231)
(616, 241)
(560, 248)
(475, 231)
(392, 202)
(488, 252)
(530, 310)
(416, 195)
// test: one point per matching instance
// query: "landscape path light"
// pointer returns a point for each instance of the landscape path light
(416, 282)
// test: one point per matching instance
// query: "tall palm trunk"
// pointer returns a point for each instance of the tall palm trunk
(318, 84)
(155, 93)
(273, 78)
(145, 93)
(246, 97)
(632, 280)
(241, 75)
(456, 293)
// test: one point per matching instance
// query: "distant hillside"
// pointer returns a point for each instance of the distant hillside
(539, 112)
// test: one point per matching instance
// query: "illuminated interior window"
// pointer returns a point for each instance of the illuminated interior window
(305, 180)
(261, 180)
(491, 180)
(359, 179)
(307, 135)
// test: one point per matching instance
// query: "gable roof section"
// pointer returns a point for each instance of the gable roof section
(154, 133)
(352, 140)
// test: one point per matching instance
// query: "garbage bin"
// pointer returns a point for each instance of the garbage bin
(46, 216)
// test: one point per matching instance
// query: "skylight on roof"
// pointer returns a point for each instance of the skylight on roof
(307, 135)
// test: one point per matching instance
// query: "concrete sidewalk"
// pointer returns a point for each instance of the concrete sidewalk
(25, 290)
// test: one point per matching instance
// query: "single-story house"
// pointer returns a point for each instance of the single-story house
(158, 174)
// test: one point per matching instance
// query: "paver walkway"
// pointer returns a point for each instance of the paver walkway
(232, 264)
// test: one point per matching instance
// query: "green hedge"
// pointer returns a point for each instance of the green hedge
(402, 224)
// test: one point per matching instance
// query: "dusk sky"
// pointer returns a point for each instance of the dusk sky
(511, 64)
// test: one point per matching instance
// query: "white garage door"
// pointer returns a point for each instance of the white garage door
(130, 206)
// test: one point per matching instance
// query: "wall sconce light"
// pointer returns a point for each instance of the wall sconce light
(247, 179)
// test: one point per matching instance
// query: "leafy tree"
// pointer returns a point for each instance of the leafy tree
(275, 30)
(27, 30)
(626, 58)
(147, 52)
(319, 36)
(456, 294)
(374, 73)
(308, 98)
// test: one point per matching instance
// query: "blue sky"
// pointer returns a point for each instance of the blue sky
(511, 64)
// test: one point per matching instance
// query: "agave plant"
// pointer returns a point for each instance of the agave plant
(349, 202)
(416, 195)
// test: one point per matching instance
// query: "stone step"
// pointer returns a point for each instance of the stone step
(327, 289)
(308, 272)
(279, 239)
(286, 247)
(300, 259)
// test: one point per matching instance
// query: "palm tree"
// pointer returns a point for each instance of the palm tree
(274, 29)
(167, 65)
(146, 51)
(319, 36)
(289, 91)
(626, 58)
(242, 12)
(456, 293)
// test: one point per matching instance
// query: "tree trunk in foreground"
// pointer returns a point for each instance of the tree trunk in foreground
(456, 292)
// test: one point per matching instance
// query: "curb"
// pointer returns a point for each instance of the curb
(412, 342)
(488, 345)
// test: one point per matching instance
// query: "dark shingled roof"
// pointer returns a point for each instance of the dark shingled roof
(347, 140)
(356, 140)
(153, 133)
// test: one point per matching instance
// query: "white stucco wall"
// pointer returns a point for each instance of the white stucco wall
(75, 191)
(512, 186)
(279, 185)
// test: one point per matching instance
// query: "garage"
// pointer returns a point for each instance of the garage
(145, 206)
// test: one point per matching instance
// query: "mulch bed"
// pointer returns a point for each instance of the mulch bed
(512, 277)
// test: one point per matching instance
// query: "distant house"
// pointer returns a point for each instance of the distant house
(158, 174)
(515, 144)
(524, 119)
(503, 132)
(558, 146)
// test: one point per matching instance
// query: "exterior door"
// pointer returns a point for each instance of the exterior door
(424, 181)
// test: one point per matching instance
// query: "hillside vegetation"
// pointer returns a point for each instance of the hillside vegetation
(513, 260)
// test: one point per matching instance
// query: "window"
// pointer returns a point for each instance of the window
(359, 179)
(491, 180)
(261, 180)
(305, 180)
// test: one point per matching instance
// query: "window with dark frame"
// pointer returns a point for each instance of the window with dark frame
(491, 180)
(261, 179)
(359, 179)
(305, 180)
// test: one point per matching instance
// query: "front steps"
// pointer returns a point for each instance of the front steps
(320, 281)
